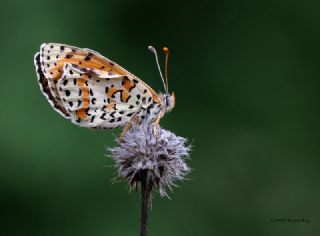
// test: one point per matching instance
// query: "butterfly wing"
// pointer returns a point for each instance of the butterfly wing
(88, 88)
(45, 89)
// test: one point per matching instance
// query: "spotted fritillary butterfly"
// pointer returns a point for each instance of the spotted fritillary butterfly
(94, 92)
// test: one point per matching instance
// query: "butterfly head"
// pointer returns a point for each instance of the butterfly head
(168, 99)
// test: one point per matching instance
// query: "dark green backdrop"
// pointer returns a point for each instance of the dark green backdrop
(246, 77)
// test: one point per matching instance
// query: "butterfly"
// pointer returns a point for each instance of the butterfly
(95, 92)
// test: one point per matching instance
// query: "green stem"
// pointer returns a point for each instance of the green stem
(146, 187)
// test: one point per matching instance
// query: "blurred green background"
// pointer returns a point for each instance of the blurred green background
(246, 77)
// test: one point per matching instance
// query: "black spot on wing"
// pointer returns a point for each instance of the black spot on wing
(103, 116)
(112, 114)
(118, 91)
(87, 111)
(151, 106)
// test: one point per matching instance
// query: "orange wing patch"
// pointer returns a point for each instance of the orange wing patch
(111, 106)
(125, 95)
(111, 91)
(81, 113)
(128, 84)
(84, 59)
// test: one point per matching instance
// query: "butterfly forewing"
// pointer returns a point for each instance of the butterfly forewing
(90, 89)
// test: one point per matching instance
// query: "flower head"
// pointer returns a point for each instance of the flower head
(160, 155)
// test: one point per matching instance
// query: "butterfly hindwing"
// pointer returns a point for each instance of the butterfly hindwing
(95, 101)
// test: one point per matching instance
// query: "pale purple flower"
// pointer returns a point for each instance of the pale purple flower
(160, 156)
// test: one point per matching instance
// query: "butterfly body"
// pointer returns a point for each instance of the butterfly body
(93, 91)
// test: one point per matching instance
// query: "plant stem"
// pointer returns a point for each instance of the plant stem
(146, 187)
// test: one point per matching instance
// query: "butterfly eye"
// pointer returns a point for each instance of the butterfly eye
(167, 101)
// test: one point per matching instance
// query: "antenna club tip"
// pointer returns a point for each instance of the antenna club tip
(151, 48)
(166, 50)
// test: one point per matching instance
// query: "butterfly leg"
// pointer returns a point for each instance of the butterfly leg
(127, 127)
(156, 123)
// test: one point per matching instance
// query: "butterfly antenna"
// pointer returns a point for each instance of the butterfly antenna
(153, 50)
(166, 51)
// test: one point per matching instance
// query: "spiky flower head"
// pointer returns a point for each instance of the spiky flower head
(160, 156)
